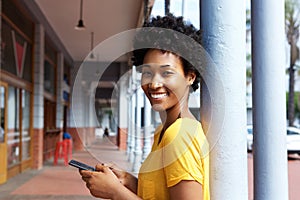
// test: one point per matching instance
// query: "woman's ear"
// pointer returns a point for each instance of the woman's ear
(191, 76)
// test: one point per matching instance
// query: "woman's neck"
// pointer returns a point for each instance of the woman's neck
(171, 115)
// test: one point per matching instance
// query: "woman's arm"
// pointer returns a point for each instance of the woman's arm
(105, 184)
(189, 190)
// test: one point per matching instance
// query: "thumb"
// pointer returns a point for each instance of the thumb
(100, 167)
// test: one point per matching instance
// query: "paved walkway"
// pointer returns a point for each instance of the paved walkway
(62, 182)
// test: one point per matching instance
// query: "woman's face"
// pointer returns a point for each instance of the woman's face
(163, 80)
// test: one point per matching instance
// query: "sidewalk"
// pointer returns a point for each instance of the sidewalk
(62, 182)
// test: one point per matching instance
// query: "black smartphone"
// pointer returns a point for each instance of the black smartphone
(81, 165)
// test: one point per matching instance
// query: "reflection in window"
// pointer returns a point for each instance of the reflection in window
(13, 132)
(25, 125)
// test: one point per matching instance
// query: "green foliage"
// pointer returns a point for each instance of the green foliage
(296, 102)
(249, 73)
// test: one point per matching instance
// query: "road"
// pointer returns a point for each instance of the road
(293, 176)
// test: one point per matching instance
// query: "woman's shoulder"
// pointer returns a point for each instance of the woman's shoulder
(185, 124)
(184, 127)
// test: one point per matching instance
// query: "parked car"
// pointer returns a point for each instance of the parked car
(249, 138)
(292, 139)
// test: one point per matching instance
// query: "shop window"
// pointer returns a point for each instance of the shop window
(18, 136)
(13, 130)
(16, 53)
(26, 139)
(50, 68)
(49, 77)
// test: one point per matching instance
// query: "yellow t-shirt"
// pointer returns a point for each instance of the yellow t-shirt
(182, 154)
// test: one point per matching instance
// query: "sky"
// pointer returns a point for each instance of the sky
(190, 11)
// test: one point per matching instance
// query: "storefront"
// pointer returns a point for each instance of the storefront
(34, 98)
(15, 91)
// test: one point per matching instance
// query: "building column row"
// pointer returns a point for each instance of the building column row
(139, 135)
(38, 107)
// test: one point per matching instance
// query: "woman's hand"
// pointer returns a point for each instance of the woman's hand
(127, 179)
(102, 183)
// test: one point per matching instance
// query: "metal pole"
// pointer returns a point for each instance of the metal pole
(224, 97)
(269, 112)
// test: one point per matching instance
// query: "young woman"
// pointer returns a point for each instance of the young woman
(177, 167)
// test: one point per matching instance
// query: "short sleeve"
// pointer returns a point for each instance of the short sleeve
(182, 154)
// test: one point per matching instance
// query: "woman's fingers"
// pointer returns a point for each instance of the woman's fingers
(85, 173)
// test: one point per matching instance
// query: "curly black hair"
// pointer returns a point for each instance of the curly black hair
(170, 41)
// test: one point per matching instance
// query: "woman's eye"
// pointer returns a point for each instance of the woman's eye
(167, 73)
(146, 74)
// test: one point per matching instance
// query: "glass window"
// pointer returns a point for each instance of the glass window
(8, 52)
(25, 125)
(13, 132)
(49, 77)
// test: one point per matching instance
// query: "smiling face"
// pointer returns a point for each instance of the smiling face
(164, 81)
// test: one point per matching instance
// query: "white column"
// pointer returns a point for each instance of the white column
(269, 112)
(122, 108)
(129, 114)
(132, 121)
(138, 149)
(77, 110)
(224, 97)
(147, 128)
(128, 123)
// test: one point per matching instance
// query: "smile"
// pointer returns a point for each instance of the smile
(158, 96)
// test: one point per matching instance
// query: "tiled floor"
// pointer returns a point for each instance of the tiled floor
(62, 182)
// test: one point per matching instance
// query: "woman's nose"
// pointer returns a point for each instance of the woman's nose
(154, 84)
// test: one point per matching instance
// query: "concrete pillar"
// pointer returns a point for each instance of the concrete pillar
(223, 97)
(59, 91)
(122, 108)
(138, 149)
(129, 114)
(132, 121)
(77, 108)
(269, 112)
(147, 128)
(128, 140)
(38, 105)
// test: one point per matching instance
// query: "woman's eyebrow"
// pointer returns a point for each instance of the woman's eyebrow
(167, 65)
(160, 66)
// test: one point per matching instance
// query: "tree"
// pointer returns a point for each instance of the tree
(292, 33)
(167, 7)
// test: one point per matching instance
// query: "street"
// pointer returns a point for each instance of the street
(293, 176)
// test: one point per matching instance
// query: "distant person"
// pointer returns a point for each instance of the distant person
(66, 136)
(106, 132)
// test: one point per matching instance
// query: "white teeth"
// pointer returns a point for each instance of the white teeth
(158, 96)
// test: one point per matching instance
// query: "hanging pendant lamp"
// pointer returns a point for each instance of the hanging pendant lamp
(80, 26)
(92, 45)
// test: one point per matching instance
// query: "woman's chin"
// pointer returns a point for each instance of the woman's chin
(158, 108)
